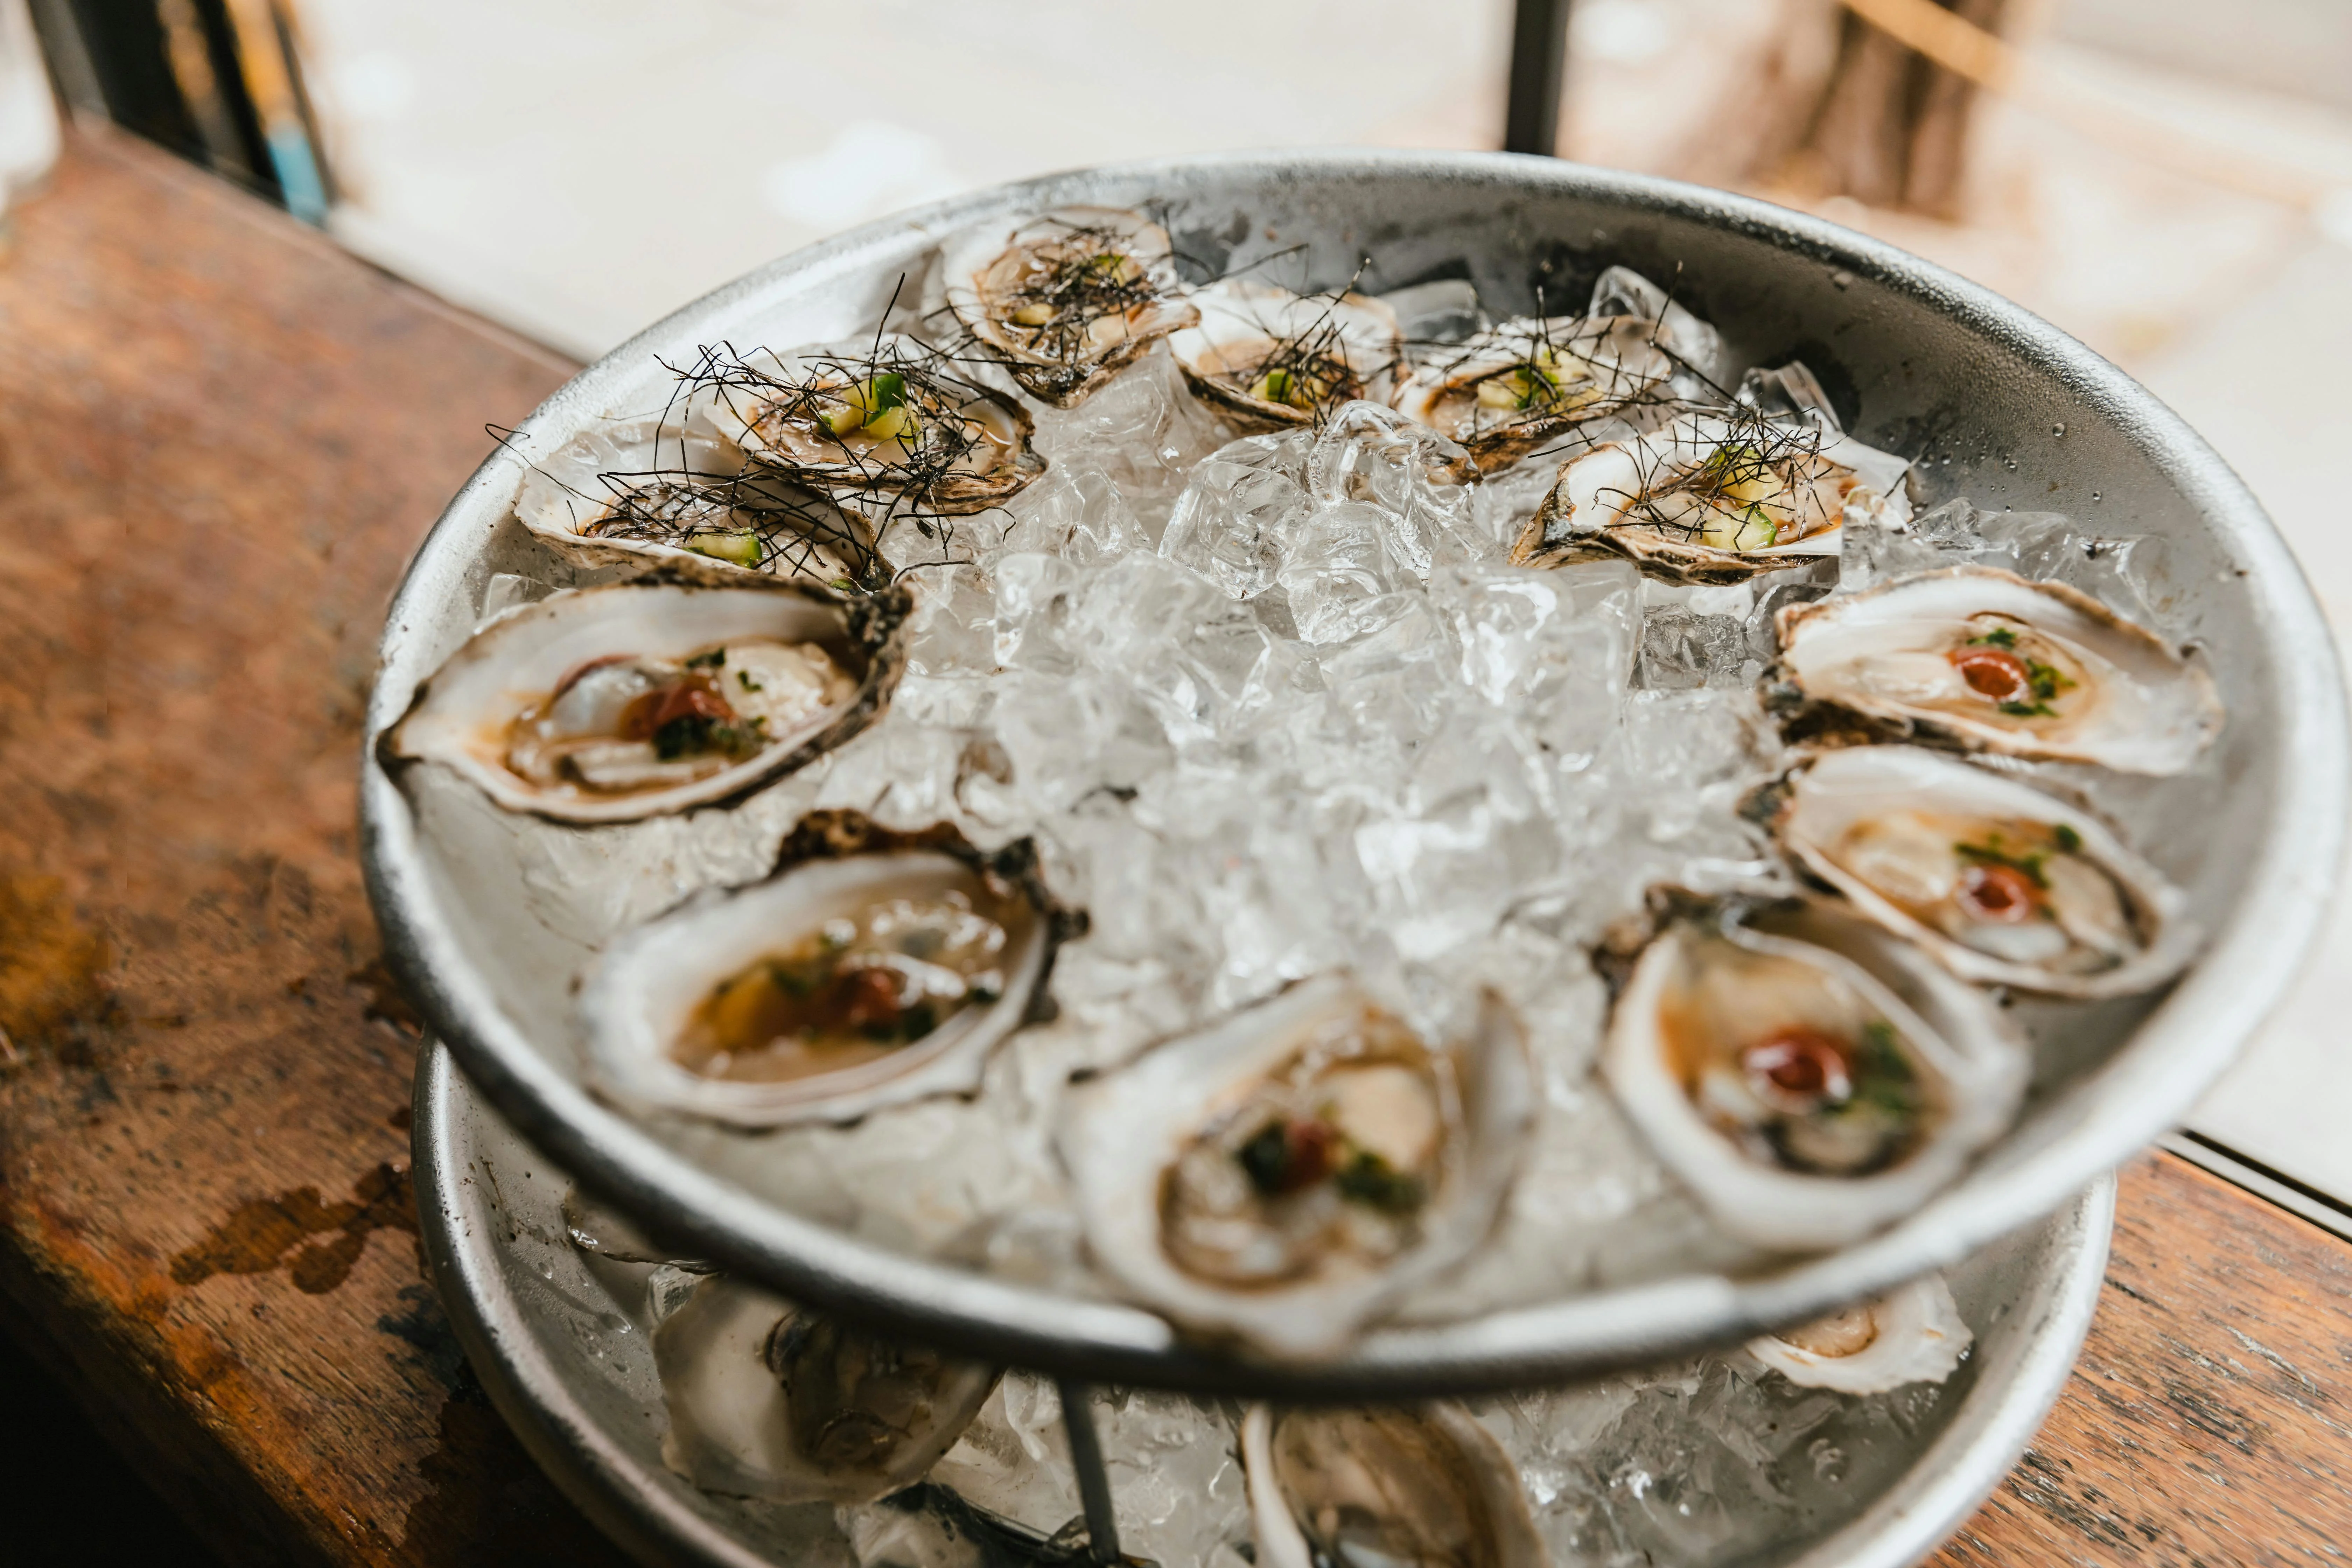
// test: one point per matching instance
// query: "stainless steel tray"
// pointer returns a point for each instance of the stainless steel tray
(542, 1336)
(2001, 407)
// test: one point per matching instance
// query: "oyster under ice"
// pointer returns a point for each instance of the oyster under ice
(2005, 884)
(1281, 1177)
(770, 1401)
(1067, 300)
(1409, 1487)
(1989, 661)
(837, 987)
(1808, 1078)
(616, 703)
(1914, 1334)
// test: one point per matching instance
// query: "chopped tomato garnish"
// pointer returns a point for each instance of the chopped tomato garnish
(1994, 673)
(1800, 1069)
(872, 999)
(692, 698)
(2002, 894)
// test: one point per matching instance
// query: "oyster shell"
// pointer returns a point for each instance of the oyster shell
(640, 699)
(1714, 498)
(1914, 1334)
(1269, 358)
(1425, 1487)
(1069, 299)
(1508, 391)
(1988, 662)
(2004, 884)
(1809, 1077)
(828, 990)
(878, 420)
(1281, 1177)
(674, 494)
(770, 1401)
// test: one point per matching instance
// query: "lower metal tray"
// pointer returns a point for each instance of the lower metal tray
(577, 1381)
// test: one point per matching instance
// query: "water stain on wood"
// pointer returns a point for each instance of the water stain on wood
(260, 1234)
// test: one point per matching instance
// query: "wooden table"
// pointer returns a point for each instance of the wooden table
(220, 438)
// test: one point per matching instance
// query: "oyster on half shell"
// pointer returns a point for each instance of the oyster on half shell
(1267, 358)
(770, 1401)
(875, 421)
(674, 493)
(1533, 381)
(2006, 885)
(1069, 299)
(1411, 1486)
(1281, 1177)
(1914, 1334)
(635, 699)
(1988, 662)
(1809, 1077)
(836, 988)
(1714, 498)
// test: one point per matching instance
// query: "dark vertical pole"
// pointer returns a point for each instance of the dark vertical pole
(1087, 1459)
(1538, 67)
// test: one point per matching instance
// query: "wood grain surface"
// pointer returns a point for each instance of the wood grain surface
(220, 438)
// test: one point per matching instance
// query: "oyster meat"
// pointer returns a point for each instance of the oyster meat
(1988, 662)
(1268, 358)
(769, 1401)
(676, 494)
(2005, 884)
(1914, 1334)
(639, 699)
(1281, 1177)
(877, 421)
(1068, 299)
(834, 988)
(1809, 1078)
(1420, 1487)
(1714, 498)
(1529, 382)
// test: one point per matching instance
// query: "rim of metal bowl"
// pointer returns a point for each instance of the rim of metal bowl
(648, 1512)
(2178, 1050)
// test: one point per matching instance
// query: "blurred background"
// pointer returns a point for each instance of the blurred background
(2169, 180)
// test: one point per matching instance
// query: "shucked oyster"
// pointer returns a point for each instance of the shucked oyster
(879, 420)
(1914, 1334)
(1713, 498)
(614, 703)
(1423, 1486)
(1528, 382)
(1267, 357)
(1069, 299)
(674, 493)
(2004, 884)
(1991, 662)
(837, 987)
(1281, 1177)
(1809, 1078)
(769, 1401)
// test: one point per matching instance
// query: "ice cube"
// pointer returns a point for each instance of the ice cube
(953, 628)
(1035, 596)
(1143, 430)
(1236, 510)
(1682, 650)
(1077, 513)
(1369, 453)
(1554, 649)
(1336, 569)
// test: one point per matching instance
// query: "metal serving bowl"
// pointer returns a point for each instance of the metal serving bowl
(1996, 406)
(583, 1394)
